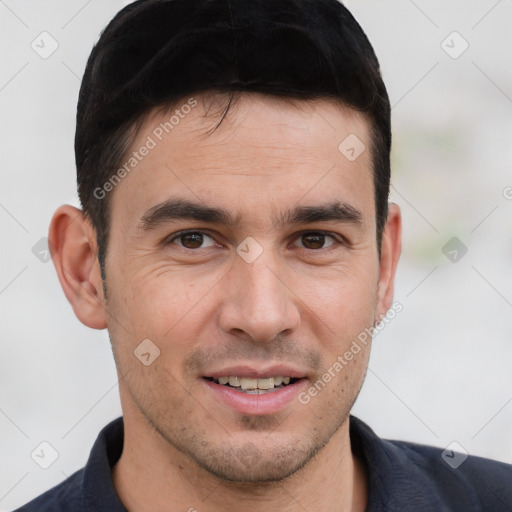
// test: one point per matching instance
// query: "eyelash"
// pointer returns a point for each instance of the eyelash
(338, 239)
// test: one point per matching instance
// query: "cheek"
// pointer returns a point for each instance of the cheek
(159, 302)
(343, 302)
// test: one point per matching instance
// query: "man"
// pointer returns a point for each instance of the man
(236, 240)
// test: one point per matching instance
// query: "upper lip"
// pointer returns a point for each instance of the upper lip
(252, 372)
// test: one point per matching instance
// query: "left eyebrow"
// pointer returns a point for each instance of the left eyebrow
(182, 209)
(331, 212)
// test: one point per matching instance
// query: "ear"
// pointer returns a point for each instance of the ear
(72, 241)
(390, 254)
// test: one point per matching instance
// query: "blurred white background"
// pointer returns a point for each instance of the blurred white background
(440, 372)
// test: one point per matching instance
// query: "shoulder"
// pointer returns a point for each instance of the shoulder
(90, 488)
(405, 475)
(63, 497)
(455, 477)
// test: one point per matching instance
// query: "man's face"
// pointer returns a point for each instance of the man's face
(274, 293)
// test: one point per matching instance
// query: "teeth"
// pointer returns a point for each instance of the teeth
(234, 381)
(266, 383)
(248, 383)
(254, 384)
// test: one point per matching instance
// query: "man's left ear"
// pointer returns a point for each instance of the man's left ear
(390, 253)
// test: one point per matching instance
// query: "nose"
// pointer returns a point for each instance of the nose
(257, 300)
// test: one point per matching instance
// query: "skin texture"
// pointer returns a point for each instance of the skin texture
(205, 308)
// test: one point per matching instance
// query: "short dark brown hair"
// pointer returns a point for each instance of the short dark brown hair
(156, 52)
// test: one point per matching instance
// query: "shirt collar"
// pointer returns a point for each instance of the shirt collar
(100, 495)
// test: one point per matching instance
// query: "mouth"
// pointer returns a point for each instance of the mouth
(252, 390)
(253, 386)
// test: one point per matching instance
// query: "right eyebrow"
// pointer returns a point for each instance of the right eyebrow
(179, 209)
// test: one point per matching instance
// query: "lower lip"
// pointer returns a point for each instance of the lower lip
(257, 405)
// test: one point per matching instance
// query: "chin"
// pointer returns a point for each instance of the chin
(250, 464)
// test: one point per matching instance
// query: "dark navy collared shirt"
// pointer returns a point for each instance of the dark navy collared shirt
(402, 477)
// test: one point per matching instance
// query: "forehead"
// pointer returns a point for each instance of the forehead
(265, 150)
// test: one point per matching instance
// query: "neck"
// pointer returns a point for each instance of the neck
(153, 475)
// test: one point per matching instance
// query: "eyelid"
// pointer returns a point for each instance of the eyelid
(170, 239)
(340, 239)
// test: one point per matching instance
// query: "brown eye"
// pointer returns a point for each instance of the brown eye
(193, 240)
(316, 240)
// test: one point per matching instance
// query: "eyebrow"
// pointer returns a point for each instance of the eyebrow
(182, 209)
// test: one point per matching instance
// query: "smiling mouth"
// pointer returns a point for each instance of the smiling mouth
(254, 386)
